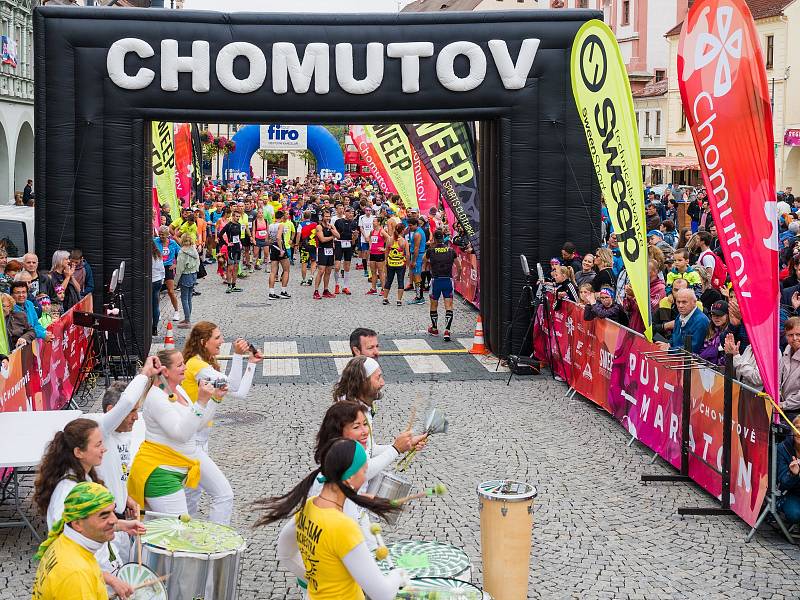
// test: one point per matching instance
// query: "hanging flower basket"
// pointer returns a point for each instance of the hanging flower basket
(220, 142)
(206, 137)
(230, 145)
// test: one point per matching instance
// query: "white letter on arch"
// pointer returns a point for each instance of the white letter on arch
(514, 76)
(286, 64)
(115, 63)
(344, 69)
(197, 64)
(409, 54)
(257, 68)
(477, 66)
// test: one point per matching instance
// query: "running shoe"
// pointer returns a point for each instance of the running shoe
(336, 289)
(432, 331)
(176, 316)
(195, 293)
(346, 291)
(236, 289)
(258, 267)
(399, 303)
(286, 295)
(327, 294)
(371, 292)
(274, 297)
(385, 301)
(446, 335)
(408, 288)
(365, 273)
(358, 266)
(316, 295)
(229, 290)
(416, 301)
(242, 275)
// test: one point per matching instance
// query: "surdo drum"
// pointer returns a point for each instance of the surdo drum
(428, 559)
(390, 486)
(506, 510)
(201, 558)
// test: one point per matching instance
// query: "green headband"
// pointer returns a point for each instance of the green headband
(359, 459)
(84, 500)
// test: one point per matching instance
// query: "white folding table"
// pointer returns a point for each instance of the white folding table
(23, 438)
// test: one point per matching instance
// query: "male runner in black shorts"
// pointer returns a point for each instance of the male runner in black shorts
(230, 235)
(439, 260)
(343, 249)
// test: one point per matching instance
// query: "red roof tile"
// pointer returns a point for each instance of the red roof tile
(761, 9)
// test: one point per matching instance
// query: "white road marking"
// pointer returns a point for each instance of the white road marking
(281, 367)
(424, 363)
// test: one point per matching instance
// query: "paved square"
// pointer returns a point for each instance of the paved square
(598, 532)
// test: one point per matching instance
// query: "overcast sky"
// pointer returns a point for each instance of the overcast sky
(298, 6)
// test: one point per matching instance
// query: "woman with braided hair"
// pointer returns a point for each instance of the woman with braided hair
(336, 562)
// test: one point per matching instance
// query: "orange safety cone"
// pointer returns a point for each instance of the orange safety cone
(169, 340)
(478, 346)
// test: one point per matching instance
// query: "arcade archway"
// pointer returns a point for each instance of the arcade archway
(508, 70)
(321, 144)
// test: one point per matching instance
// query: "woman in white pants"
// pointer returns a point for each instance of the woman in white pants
(169, 460)
(200, 354)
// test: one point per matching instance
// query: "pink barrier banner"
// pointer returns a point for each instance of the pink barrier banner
(606, 363)
(183, 163)
(467, 280)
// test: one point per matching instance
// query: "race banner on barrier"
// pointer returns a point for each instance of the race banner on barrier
(726, 100)
(43, 375)
(606, 363)
(164, 166)
(446, 152)
(467, 281)
(603, 95)
(379, 171)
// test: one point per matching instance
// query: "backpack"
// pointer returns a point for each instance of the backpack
(720, 275)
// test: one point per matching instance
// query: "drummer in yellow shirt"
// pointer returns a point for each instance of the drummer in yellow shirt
(336, 562)
(68, 569)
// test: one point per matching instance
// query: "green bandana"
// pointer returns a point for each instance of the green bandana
(359, 459)
(84, 500)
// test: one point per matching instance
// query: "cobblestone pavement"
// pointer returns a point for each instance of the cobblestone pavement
(598, 532)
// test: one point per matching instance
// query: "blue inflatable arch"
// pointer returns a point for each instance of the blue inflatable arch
(321, 144)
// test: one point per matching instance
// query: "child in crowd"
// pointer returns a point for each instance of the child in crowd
(47, 318)
(682, 270)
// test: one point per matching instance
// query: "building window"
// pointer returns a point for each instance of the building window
(661, 75)
(658, 122)
(626, 12)
(683, 120)
(638, 126)
(582, 4)
(770, 50)
(646, 123)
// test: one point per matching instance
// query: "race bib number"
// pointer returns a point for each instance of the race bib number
(328, 251)
(345, 243)
(374, 239)
(235, 239)
(261, 234)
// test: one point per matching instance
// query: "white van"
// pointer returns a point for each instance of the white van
(16, 230)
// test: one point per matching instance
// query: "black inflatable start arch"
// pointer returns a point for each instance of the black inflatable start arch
(102, 75)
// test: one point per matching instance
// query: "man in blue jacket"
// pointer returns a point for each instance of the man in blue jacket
(19, 291)
(690, 321)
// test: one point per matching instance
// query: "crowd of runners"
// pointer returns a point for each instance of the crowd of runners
(322, 230)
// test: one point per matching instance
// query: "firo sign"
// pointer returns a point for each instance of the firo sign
(288, 67)
(283, 137)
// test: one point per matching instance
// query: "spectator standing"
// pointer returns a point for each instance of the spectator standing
(657, 293)
(690, 321)
(789, 476)
(652, 220)
(718, 273)
(19, 291)
(693, 210)
(157, 280)
(18, 329)
(30, 262)
(565, 285)
(706, 218)
(61, 275)
(569, 256)
(714, 345)
(603, 261)
(682, 270)
(613, 245)
(603, 306)
(187, 266)
(5, 280)
(27, 192)
(790, 367)
(744, 364)
(669, 233)
(684, 237)
(169, 249)
(586, 273)
(83, 272)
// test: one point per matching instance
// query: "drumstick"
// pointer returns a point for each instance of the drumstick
(147, 583)
(439, 489)
(139, 548)
(381, 552)
(151, 513)
(413, 414)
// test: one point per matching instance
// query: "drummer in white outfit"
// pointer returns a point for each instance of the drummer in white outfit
(200, 354)
(169, 459)
(362, 382)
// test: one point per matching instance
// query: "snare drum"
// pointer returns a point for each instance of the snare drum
(135, 574)
(428, 559)
(506, 509)
(390, 486)
(201, 558)
(447, 587)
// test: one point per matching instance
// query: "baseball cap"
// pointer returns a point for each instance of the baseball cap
(719, 308)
